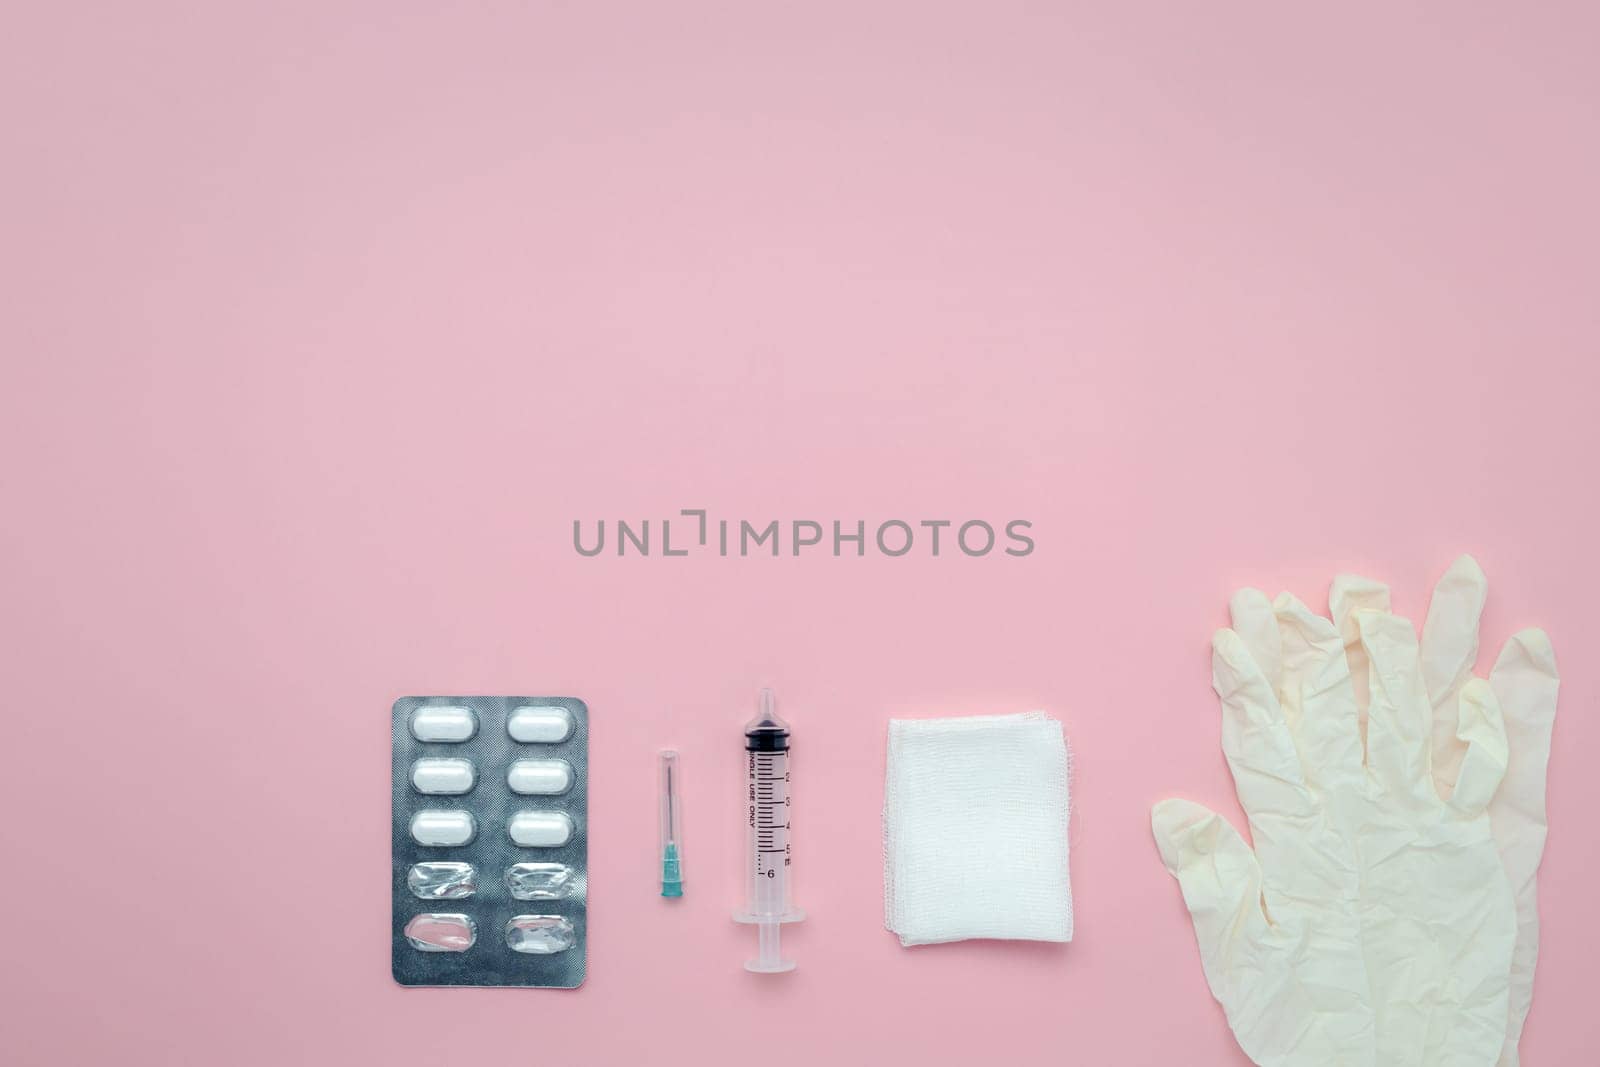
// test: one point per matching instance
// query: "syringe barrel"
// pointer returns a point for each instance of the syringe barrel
(768, 807)
(768, 803)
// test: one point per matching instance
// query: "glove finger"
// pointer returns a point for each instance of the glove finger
(1526, 681)
(1482, 732)
(1348, 595)
(1319, 701)
(1256, 740)
(1399, 726)
(1449, 650)
(1351, 593)
(1220, 878)
(1450, 632)
(1257, 627)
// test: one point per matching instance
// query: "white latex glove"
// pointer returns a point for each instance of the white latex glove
(1525, 682)
(1279, 927)
(1433, 921)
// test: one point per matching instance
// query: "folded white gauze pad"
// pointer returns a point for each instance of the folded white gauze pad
(975, 830)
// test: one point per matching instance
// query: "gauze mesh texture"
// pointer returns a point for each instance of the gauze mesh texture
(975, 830)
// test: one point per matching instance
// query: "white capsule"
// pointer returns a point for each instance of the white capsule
(443, 777)
(447, 723)
(541, 829)
(443, 828)
(540, 777)
(540, 723)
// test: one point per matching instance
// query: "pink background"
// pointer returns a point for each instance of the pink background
(324, 321)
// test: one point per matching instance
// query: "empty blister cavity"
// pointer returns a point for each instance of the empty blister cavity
(541, 829)
(441, 932)
(538, 881)
(446, 723)
(540, 935)
(443, 777)
(548, 724)
(442, 881)
(443, 828)
(540, 777)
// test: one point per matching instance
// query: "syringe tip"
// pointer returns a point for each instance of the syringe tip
(767, 715)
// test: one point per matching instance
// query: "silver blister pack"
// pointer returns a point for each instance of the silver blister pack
(490, 841)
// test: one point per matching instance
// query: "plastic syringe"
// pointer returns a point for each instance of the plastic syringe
(767, 804)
